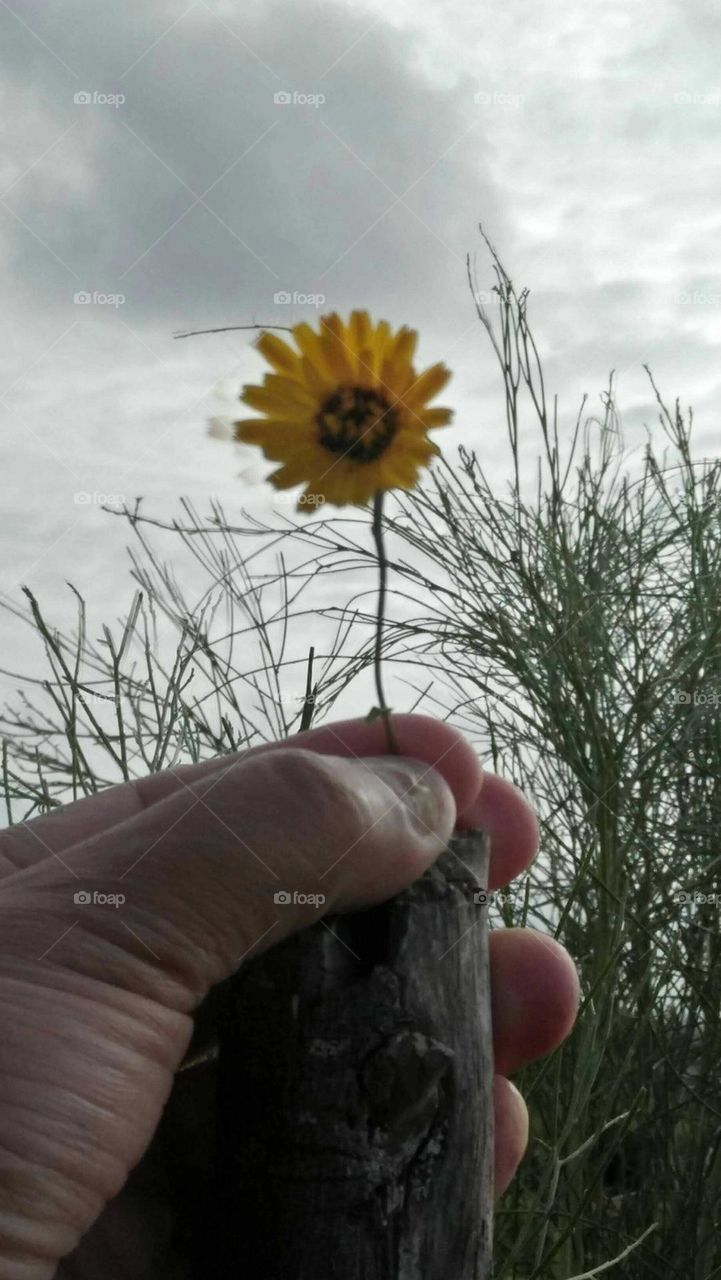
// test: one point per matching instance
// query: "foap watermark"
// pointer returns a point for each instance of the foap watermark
(491, 898)
(93, 701)
(484, 898)
(695, 97)
(495, 98)
(699, 698)
(285, 299)
(85, 499)
(95, 299)
(285, 899)
(295, 99)
(696, 899)
(698, 298)
(311, 501)
(84, 898)
(84, 98)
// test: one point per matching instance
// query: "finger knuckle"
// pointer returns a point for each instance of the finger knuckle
(307, 781)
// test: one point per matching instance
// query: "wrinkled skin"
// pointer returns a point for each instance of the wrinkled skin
(103, 1142)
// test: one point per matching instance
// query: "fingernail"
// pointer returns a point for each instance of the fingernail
(423, 792)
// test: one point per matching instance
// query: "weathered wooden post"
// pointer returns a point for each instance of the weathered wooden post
(355, 1093)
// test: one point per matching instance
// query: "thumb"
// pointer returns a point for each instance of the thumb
(105, 951)
(170, 902)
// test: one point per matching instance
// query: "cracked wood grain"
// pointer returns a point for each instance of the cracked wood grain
(355, 1093)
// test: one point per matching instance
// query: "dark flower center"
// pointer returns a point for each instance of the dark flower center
(357, 422)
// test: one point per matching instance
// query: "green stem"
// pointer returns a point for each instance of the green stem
(383, 568)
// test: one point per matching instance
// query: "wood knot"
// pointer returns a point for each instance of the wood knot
(401, 1080)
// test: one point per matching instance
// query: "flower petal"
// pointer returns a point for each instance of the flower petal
(405, 346)
(337, 348)
(425, 387)
(396, 376)
(295, 471)
(319, 383)
(312, 346)
(366, 376)
(436, 417)
(360, 331)
(415, 446)
(266, 401)
(291, 391)
(278, 354)
(278, 440)
(380, 345)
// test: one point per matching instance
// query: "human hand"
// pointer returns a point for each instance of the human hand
(96, 1001)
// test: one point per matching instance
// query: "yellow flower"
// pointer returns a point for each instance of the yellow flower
(346, 414)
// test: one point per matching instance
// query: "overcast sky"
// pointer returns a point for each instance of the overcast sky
(147, 163)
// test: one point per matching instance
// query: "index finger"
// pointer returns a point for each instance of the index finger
(421, 737)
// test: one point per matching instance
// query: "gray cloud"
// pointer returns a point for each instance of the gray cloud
(563, 132)
(200, 196)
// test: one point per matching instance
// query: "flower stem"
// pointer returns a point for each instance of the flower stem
(383, 570)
